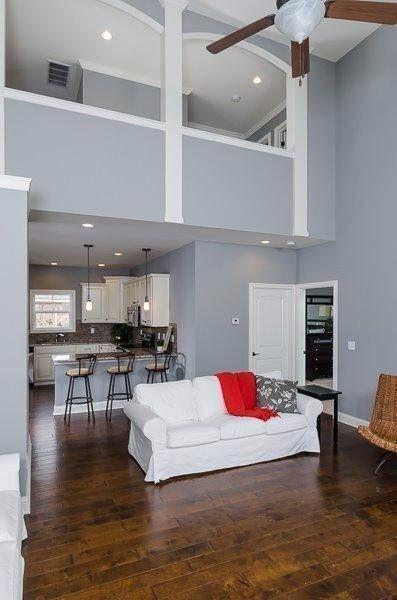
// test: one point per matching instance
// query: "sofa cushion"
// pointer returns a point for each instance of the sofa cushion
(191, 434)
(279, 394)
(173, 401)
(208, 397)
(285, 422)
(11, 519)
(11, 571)
(232, 427)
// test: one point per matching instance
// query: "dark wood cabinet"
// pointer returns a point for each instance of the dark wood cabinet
(319, 356)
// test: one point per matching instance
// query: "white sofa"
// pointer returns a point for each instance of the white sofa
(12, 529)
(182, 427)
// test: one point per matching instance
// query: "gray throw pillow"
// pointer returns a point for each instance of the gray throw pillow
(279, 394)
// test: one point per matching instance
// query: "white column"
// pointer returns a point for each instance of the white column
(171, 106)
(297, 143)
(2, 81)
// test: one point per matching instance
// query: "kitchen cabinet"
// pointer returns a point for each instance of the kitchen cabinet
(86, 348)
(158, 291)
(104, 348)
(98, 294)
(109, 301)
(43, 366)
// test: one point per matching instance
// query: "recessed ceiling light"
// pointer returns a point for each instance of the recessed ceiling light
(118, 254)
(265, 242)
(101, 265)
(54, 264)
(291, 243)
(236, 98)
(257, 80)
(106, 35)
(87, 225)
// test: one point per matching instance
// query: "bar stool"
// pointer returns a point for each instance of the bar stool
(161, 365)
(84, 370)
(121, 369)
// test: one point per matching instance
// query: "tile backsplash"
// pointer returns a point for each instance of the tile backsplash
(82, 335)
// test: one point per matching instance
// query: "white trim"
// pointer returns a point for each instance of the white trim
(231, 141)
(2, 82)
(301, 328)
(180, 4)
(266, 138)
(72, 312)
(351, 420)
(11, 182)
(270, 115)
(216, 130)
(134, 12)
(84, 109)
(59, 409)
(277, 131)
(127, 75)
(273, 286)
(297, 141)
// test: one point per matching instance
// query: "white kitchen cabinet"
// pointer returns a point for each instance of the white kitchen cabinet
(43, 365)
(98, 295)
(159, 298)
(104, 348)
(87, 348)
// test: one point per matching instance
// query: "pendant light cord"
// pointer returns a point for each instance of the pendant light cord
(146, 274)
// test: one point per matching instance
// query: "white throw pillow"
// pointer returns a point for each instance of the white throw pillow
(11, 520)
(172, 401)
(208, 396)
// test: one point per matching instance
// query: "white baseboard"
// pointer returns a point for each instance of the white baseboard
(347, 419)
(59, 409)
(26, 505)
(26, 499)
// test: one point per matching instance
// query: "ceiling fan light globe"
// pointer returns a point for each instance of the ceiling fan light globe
(297, 19)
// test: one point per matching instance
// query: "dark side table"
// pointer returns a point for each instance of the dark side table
(322, 393)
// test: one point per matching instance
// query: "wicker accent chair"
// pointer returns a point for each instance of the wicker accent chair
(382, 430)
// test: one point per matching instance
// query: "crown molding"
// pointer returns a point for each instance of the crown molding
(127, 75)
(217, 130)
(268, 117)
(181, 4)
(10, 182)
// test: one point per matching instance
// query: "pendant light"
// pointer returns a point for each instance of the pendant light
(146, 304)
(89, 303)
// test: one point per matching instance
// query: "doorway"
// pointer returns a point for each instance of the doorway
(317, 333)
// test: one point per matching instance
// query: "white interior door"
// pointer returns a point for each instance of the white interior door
(272, 325)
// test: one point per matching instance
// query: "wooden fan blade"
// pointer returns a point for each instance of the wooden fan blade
(241, 34)
(384, 13)
(300, 58)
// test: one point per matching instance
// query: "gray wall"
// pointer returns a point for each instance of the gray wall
(363, 257)
(43, 277)
(321, 125)
(269, 126)
(236, 188)
(180, 264)
(223, 272)
(85, 165)
(121, 95)
(14, 326)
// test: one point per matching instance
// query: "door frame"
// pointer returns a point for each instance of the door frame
(273, 286)
(300, 319)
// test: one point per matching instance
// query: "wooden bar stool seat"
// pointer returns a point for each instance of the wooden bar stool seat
(86, 367)
(161, 365)
(124, 369)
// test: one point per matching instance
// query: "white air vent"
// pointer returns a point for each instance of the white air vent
(58, 73)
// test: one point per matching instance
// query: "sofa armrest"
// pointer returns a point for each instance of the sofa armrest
(9, 472)
(151, 425)
(310, 407)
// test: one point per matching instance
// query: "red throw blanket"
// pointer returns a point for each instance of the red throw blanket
(239, 394)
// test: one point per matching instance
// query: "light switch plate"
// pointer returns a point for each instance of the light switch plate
(92, 330)
(235, 320)
(351, 345)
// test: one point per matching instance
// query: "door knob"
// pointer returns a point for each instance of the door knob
(255, 354)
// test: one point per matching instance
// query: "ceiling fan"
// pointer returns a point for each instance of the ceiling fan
(297, 19)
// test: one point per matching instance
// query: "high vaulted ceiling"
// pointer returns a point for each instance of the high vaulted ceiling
(331, 40)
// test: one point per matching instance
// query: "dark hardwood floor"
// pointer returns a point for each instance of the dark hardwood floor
(303, 527)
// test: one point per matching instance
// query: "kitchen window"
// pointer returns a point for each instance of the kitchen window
(52, 311)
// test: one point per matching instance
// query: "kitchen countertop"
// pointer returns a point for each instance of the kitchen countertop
(140, 353)
(60, 344)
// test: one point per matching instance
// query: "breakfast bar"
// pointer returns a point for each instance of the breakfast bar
(100, 378)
